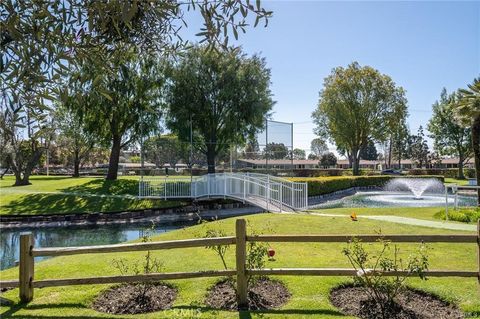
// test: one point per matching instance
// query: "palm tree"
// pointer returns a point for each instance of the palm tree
(468, 112)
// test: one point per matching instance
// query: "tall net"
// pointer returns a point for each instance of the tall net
(272, 147)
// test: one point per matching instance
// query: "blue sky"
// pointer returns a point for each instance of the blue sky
(423, 45)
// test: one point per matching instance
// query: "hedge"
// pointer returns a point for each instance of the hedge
(326, 185)
(446, 172)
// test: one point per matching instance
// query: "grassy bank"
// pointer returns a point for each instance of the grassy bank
(61, 194)
(309, 294)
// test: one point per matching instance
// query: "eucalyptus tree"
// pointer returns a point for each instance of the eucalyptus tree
(299, 154)
(468, 113)
(318, 147)
(166, 149)
(41, 41)
(276, 151)
(358, 104)
(449, 137)
(222, 97)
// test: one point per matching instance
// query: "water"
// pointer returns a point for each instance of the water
(72, 236)
(396, 199)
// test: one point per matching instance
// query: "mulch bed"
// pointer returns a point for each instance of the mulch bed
(262, 295)
(410, 304)
(135, 298)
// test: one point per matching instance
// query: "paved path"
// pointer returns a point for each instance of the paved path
(409, 221)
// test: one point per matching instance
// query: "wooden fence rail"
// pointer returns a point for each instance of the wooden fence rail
(26, 281)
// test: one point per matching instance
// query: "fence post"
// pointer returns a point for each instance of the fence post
(26, 269)
(241, 257)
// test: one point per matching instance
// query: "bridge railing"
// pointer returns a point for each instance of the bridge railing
(267, 191)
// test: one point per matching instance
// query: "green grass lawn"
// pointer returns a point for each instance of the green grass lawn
(461, 182)
(309, 294)
(61, 194)
(426, 213)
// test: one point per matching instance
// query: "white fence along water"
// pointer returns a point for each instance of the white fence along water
(266, 191)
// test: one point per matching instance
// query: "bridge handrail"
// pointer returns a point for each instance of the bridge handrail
(270, 189)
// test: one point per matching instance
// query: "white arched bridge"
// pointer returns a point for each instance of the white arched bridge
(268, 192)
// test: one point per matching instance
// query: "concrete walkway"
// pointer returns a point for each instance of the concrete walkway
(408, 221)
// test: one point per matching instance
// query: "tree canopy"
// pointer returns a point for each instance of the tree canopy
(121, 106)
(43, 41)
(224, 96)
(449, 137)
(468, 114)
(357, 104)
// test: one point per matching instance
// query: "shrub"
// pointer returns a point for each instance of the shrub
(466, 215)
(326, 185)
(382, 290)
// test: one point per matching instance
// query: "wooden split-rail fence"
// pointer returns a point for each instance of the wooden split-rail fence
(28, 252)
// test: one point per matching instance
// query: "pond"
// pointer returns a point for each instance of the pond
(74, 236)
(396, 199)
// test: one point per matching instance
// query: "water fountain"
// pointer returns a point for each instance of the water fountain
(409, 192)
(402, 192)
(417, 186)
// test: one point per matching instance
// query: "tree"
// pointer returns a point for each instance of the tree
(299, 154)
(369, 151)
(120, 107)
(40, 37)
(468, 113)
(449, 137)
(418, 148)
(223, 95)
(276, 151)
(27, 133)
(357, 104)
(42, 40)
(328, 160)
(318, 147)
(72, 136)
(166, 149)
(313, 157)
(252, 149)
(399, 142)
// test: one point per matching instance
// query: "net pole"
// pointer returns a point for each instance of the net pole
(266, 146)
(191, 154)
(291, 145)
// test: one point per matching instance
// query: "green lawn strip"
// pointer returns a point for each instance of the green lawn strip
(462, 182)
(309, 294)
(63, 195)
(426, 213)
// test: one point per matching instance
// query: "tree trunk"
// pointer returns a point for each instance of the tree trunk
(6, 170)
(461, 159)
(476, 151)
(211, 158)
(114, 158)
(390, 153)
(76, 164)
(355, 163)
(19, 181)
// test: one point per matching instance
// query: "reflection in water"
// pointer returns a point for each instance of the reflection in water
(71, 236)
